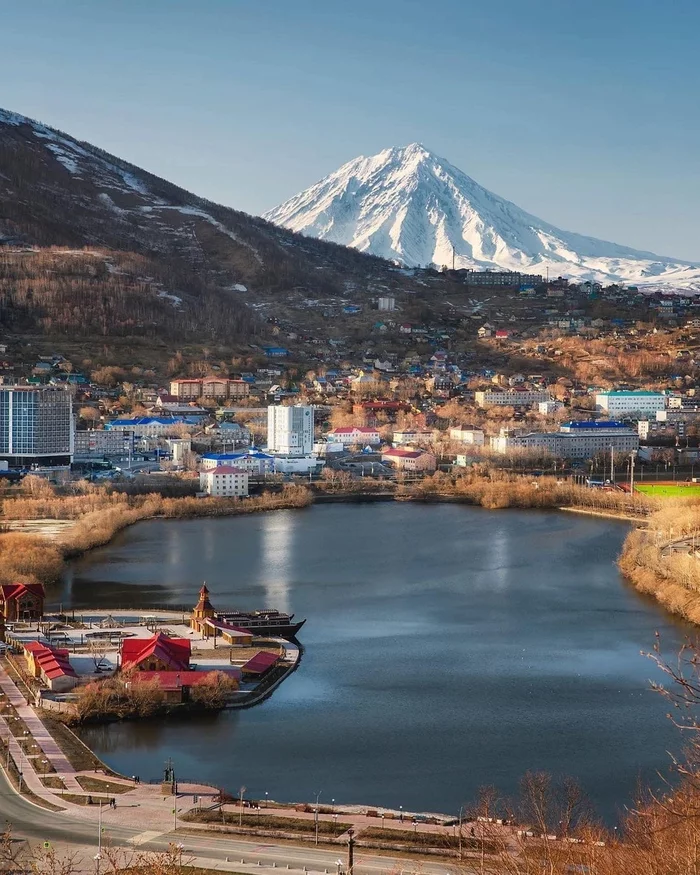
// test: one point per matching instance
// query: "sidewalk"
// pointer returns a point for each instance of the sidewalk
(40, 734)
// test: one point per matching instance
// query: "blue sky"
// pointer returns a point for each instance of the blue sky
(584, 114)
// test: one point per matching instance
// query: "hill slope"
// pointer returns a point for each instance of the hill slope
(162, 262)
(409, 205)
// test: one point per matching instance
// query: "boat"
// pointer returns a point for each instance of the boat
(265, 622)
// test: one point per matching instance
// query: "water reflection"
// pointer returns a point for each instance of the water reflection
(277, 540)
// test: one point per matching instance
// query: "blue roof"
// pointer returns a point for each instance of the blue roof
(149, 420)
(229, 457)
(601, 423)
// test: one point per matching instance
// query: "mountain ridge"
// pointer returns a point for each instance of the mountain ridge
(168, 259)
(409, 205)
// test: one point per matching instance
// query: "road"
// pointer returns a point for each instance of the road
(41, 825)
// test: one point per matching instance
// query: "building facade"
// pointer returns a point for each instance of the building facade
(100, 442)
(410, 460)
(574, 440)
(224, 481)
(209, 387)
(252, 461)
(36, 426)
(510, 397)
(290, 430)
(473, 436)
(353, 435)
(623, 402)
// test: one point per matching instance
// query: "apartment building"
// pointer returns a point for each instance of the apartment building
(516, 397)
(623, 402)
(290, 430)
(224, 481)
(36, 426)
(574, 440)
(209, 387)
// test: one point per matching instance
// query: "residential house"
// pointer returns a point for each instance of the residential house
(224, 481)
(467, 435)
(51, 665)
(411, 461)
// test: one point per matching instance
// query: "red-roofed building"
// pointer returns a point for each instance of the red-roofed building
(158, 653)
(410, 460)
(51, 665)
(21, 601)
(356, 434)
(260, 664)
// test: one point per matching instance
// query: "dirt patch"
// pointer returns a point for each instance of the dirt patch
(268, 822)
(96, 785)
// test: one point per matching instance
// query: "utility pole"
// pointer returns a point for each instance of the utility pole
(351, 851)
(632, 456)
(612, 464)
(240, 809)
(453, 256)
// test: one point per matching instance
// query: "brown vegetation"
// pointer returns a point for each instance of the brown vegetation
(100, 515)
(672, 578)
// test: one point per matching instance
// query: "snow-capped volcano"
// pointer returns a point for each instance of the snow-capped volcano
(411, 206)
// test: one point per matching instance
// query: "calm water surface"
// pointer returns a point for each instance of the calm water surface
(446, 647)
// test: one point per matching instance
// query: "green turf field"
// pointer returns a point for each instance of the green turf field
(674, 490)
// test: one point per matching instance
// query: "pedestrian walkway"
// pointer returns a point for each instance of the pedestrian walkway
(40, 734)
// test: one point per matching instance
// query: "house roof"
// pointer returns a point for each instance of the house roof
(224, 469)
(174, 652)
(53, 662)
(403, 454)
(347, 429)
(260, 663)
(227, 627)
(15, 590)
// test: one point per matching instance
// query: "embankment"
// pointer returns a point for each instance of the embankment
(672, 578)
(35, 559)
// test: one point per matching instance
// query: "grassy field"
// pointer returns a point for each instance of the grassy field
(669, 490)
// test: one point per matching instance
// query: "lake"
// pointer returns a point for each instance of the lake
(446, 647)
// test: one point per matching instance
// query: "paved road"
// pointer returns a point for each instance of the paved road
(40, 825)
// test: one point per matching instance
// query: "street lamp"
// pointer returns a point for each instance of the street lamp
(401, 813)
(318, 796)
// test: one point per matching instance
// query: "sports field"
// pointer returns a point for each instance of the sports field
(669, 490)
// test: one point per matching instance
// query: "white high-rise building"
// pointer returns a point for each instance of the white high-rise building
(290, 430)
